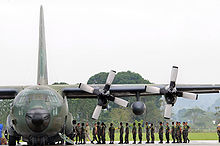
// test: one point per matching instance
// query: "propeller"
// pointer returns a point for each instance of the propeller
(170, 92)
(103, 95)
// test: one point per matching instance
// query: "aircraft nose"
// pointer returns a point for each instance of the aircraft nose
(37, 119)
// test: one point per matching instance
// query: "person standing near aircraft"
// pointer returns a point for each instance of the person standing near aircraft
(176, 133)
(184, 133)
(152, 132)
(173, 132)
(218, 132)
(103, 132)
(78, 133)
(147, 133)
(134, 133)
(127, 134)
(111, 133)
(121, 133)
(140, 133)
(167, 133)
(74, 130)
(180, 132)
(187, 132)
(161, 132)
(94, 133)
(99, 132)
(83, 141)
(87, 132)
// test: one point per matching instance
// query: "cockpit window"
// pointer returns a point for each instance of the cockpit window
(45, 95)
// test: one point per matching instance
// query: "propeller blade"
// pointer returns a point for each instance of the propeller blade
(96, 112)
(152, 89)
(188, 95)
(168, 111)
(121, 102)
(110, 77)
(86, 88)
(173, 76)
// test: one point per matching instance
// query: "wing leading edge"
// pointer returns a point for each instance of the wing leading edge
(133, 89)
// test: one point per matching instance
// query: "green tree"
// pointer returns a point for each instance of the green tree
(195, 114)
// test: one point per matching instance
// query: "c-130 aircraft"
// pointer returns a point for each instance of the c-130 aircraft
(39, 113)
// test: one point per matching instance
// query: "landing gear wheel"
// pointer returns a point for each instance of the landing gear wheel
(12, 140)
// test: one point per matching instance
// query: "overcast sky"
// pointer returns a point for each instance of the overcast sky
(86, 37)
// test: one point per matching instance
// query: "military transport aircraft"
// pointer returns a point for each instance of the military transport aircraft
(39, 113)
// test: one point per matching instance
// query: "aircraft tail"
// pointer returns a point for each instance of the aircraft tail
(42, 78)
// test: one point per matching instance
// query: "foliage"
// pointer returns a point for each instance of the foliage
(120, 78)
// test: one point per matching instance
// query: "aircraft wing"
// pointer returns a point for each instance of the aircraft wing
(126, 90)
(9, 92)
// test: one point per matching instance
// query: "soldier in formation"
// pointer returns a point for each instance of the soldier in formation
(161, 132)
(177, 132)
(127, 134)
(111, 133)
(173, 128)
(121, 133)
(83, 138)
(218, 132)
(140, 133)
(103, 132)
(167, 133)
(152, 131)
(94, 132)
(147, 133)
(134, 133)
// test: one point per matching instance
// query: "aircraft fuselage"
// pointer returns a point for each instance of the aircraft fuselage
(38, 113)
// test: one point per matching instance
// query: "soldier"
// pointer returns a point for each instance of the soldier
(140, 133)
(78, 133)
(99, 132)
(103, 132)
(167, 133)
(176, 133)
(184, 133)
(218, 132)
(180, 132)
(74, 130)
(121, 133)
(111, 134)
(126, 134)
(152, 132)
(134, 133)
(147, 133)
(187, 132)
(83, 141)
(87, 132)
(94, 133)
(161, 132)
(173, 132)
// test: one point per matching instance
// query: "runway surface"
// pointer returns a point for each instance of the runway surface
(192, 143)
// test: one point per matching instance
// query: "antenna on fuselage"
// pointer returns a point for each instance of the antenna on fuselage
(42, 78)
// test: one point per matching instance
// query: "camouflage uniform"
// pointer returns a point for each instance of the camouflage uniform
(147, 133)
(161, 134)
(173, 133)
(152, 133)
(134, 133)
(140, 133)
(168, 133)
(111, 134)
(127, 134)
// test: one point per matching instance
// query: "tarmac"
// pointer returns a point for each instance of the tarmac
(192, 143)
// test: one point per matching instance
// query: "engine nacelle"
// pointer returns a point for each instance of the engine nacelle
(138, 108)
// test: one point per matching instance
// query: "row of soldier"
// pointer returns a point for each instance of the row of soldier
(179, 134)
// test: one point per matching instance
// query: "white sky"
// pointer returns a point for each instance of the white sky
(85, 37)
